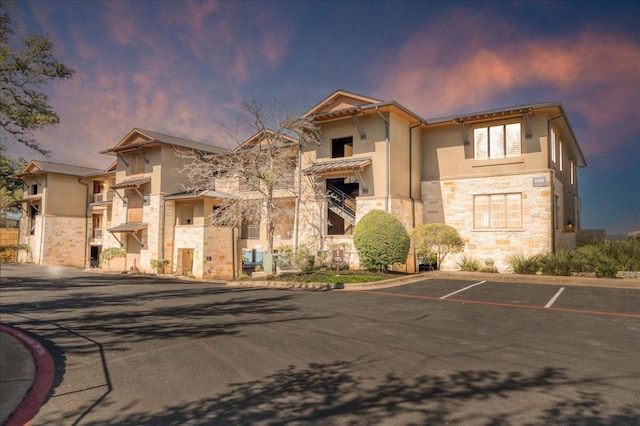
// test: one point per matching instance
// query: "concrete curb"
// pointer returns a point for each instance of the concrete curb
(450, 275)
(42, 382)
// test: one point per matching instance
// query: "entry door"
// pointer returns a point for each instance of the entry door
(185, 260)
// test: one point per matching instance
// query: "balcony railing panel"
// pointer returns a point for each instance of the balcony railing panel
(283, 231)
(250, 232)
(97, 233)
(103, 197)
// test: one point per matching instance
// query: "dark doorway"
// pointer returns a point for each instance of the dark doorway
(95, 256)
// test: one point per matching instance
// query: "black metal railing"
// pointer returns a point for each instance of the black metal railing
(342, 200)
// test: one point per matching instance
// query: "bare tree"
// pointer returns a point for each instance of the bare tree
(257, 180)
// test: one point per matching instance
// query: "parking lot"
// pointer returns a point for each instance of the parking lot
(140, 350)
(554, 297)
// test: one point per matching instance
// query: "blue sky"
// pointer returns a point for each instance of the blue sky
(184, 67)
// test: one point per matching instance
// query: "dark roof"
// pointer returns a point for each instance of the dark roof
(63, 169)
(157, 137)
(131, 183)
(342, 164)
(198, 194)
(516, 108)
(128, 227)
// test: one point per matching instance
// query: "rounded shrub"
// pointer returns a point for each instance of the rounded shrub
(381, 240)
(436, 238)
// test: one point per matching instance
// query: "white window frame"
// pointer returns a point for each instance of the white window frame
(497, 141)
(561, 165)
(573, 172)
(497, 211)
(553, 146)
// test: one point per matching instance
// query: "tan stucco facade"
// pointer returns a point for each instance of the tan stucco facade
(372, 155)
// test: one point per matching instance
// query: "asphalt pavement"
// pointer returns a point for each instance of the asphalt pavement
(27, 370)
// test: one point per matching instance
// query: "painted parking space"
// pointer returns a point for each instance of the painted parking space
(565, 298)
(622, 300)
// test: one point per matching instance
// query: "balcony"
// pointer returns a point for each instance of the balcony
(283, 231)
(102, 197)
(250, 232)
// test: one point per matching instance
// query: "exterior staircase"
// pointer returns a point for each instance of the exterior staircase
(341, 204)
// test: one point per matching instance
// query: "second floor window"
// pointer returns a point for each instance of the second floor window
(501, 141)
(342, 147)
(137, 164)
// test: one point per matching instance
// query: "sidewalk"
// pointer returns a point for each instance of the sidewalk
(26, 376)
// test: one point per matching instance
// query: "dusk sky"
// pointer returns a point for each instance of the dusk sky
(184, 67)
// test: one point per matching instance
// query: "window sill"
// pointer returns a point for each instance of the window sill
(497, 162)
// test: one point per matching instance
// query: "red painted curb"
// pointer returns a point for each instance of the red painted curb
(42, 381)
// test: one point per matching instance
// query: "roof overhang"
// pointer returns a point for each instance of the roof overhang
(382, 107)
(131, 183)
(28, 198)
(337, 166)
(193, 195)
(128, 227)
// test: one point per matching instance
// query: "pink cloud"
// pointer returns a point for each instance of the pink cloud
(597, 75)
(230, 40)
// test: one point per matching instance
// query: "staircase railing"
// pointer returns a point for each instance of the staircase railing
(341, 200)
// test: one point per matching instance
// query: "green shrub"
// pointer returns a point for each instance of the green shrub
(560, 263)
(381, 240)
(111, 253)
(626, 254)
(606, 258)
(436, 238)
(159, 265)
(521, 264)
(469, 264)
(303, 259)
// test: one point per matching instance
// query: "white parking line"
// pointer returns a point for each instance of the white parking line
(463, 289)
(553, 299)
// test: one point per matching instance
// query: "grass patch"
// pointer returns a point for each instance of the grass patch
(330, 277)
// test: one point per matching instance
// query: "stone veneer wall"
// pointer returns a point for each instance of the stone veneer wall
(9, 237)
(150, 235)
(451, 202)
(64, 241)
(212, 250)
(190, 237)
(218, 253)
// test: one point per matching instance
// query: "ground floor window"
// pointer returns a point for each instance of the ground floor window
(497, 211)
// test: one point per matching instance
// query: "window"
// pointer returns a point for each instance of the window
(497, 141)
(497, 211)
(342, 147)
(250, 231)
(553, 146)
(560, 143)
(573, 172)
(34, 189)
(137, 164)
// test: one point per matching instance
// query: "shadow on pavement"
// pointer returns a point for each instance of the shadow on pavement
(333, 394)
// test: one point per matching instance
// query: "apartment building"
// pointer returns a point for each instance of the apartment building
(54, 219)
(506, 179)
